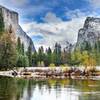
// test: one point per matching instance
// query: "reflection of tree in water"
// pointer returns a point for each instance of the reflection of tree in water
(11, 89)
(58, 89)
(7, 89)
(21, 85)
(89, 97)
(23, 89)
(48, 87)
(29, 90)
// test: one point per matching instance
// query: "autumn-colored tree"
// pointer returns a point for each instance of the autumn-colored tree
(88, 61)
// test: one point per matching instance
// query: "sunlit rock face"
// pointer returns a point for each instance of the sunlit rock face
(11, 24)
(89, 33)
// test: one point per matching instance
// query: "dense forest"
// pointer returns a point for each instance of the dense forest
(13, 55)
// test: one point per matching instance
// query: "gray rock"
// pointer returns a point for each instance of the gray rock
(89, 33)
(11, 23)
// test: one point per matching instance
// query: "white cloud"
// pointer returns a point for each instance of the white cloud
(55, 31)
(14, 3)
(75, 14)
(95, 3)
(51, 18)
(72, 14)
(19, 2)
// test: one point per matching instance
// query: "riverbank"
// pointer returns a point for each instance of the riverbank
(53, 73)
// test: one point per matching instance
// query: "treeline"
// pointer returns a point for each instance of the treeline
(13, 54)
(86, 55)
(49, 57)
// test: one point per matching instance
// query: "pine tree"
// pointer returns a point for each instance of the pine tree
(8, 53)
(48, 57)
(29, 54)
(22, 60)
(19, 45)
(22, 49)
(41, 54)
(35, 58)
(57, 54)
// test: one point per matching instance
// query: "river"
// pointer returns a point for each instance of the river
(52, 89)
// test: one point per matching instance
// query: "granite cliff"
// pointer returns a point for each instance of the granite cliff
(90, 33)
(10, 22)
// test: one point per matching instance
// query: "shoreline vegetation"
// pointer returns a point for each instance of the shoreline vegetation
(42, 73)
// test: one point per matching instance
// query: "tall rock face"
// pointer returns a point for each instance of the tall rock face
(10, 22)
(89, 35)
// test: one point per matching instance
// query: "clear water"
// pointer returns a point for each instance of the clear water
(30, 89)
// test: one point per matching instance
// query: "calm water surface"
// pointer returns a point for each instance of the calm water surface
(29, 89)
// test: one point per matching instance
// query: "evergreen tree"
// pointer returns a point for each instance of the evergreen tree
(88, 46)
(22, 49)
(57, 54)
(8, 53)
(26, 61)
(48, 57)
(64, 57)
(35, 58)
(19, 45)
(41, 54)
(29, 54)
(22, 60)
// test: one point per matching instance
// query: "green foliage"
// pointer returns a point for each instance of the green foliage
(40, 64)
(57, 54)
(22, 61)
(52, 65)
(19, 45)
(23, 52)
(41, 54)
(29, 54)
(48, 57)
(34, 58)
(8, 53)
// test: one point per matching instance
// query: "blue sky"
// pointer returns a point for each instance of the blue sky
(37, 9)
(50, 21)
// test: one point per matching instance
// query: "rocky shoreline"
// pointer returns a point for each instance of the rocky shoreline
(52, 73)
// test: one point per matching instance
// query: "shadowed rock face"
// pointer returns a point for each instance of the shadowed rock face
(89, 33)
(11, 24)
